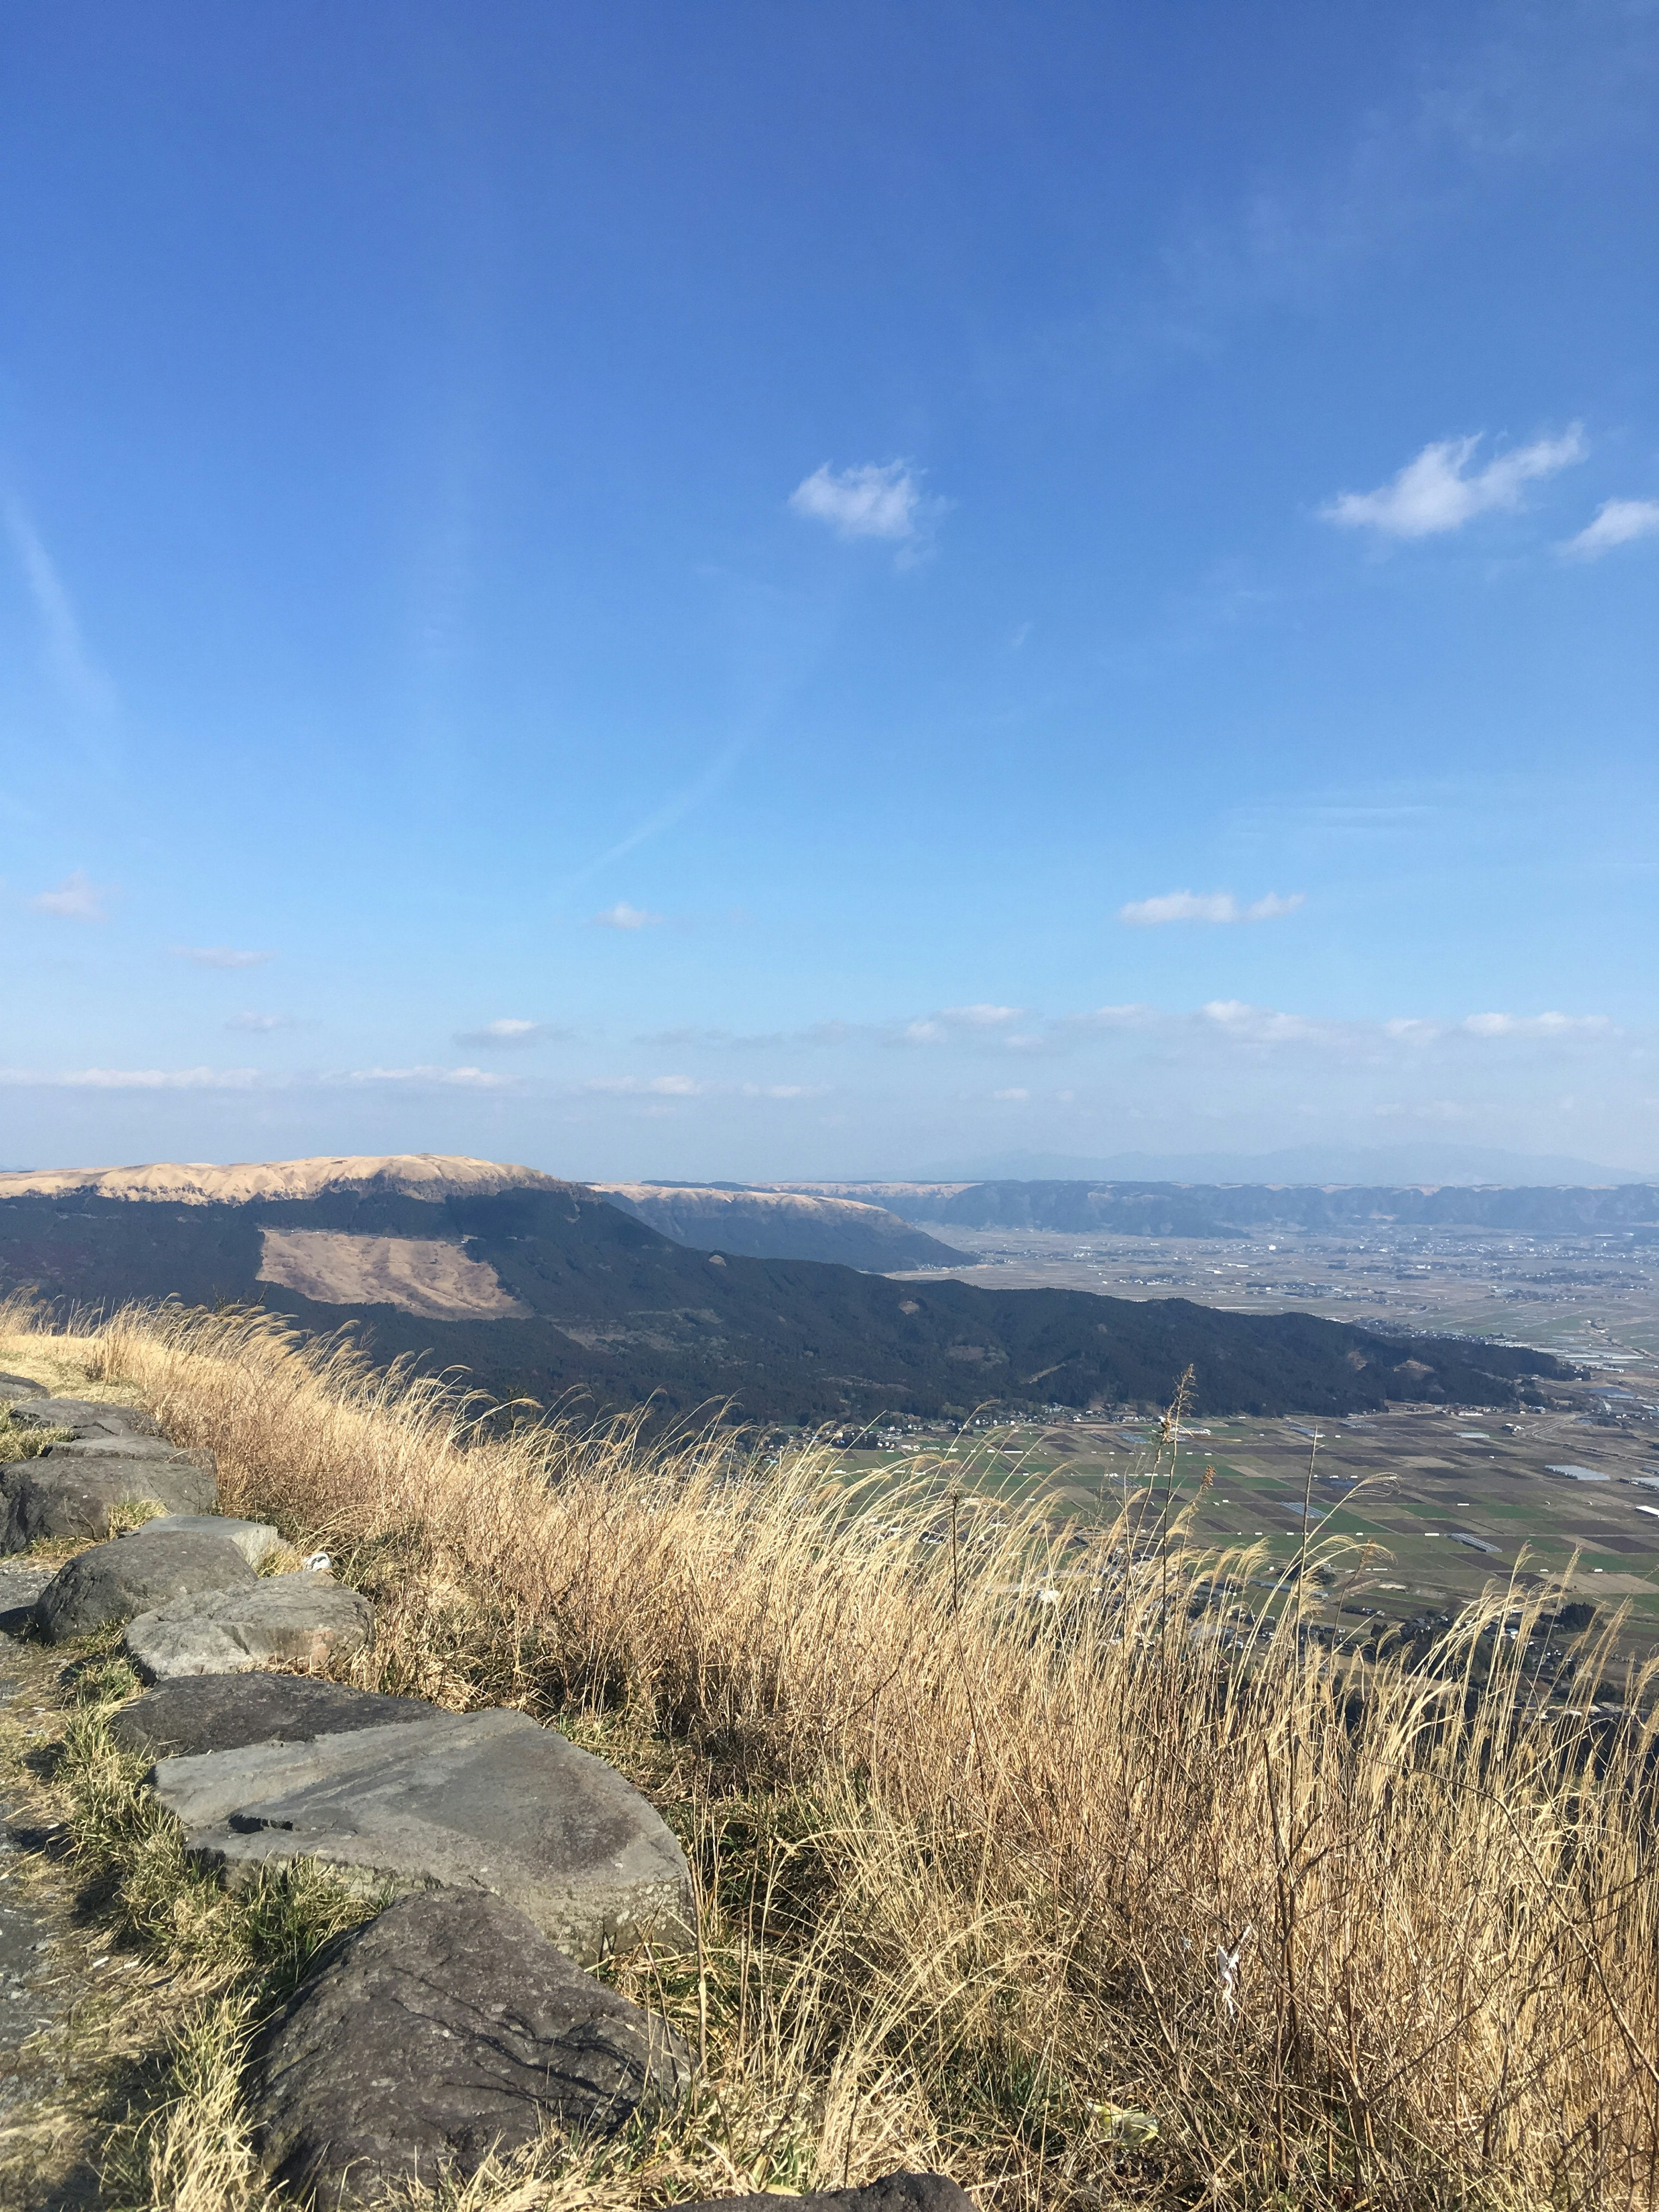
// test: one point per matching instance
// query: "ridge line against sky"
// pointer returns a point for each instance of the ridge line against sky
(546, 552)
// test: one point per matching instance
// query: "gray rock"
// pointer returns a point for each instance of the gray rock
(254, 1540)
(480, 1802)
(13, 1386)
(84, 1415)
(303, 1619)
(80, 1498)
(222, 1713)
(894, 2192)
(130, 1447)
(19, 1588)
(135, 1574)
(445, 2029)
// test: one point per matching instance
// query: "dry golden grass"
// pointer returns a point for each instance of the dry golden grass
(993, 1880)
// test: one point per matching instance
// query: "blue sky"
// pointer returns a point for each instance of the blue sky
(772, 590)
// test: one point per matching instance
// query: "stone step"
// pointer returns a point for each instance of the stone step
(487, 1803)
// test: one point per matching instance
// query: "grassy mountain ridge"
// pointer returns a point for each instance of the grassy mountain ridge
(618, 1311)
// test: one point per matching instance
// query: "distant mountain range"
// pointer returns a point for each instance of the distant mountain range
(539, 1287)
(1173, 1209)
(1422, 1162)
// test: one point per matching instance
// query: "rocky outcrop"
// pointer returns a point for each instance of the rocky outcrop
(771, 1224)
(135, 1574)
(488, 1802)
(85, 1496)
(445, 2029)
(222, 1713)
(303, 1619)
(254, 1540)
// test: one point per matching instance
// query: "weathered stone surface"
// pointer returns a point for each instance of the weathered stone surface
(130, 1447)
(135, 1574)
(480, 1802)
(13, 1386)
(446, 2028)
(253, 1539)
(303, 1619)
(222, 1712)
(84, 1415)
(19, 1588)
(51, 1497)
(894, 2192)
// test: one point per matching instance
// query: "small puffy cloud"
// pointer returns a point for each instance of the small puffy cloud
(783, 1090)
(1016, 1093)
(623, 916)
(1618, 522)
(260, 1025)
(982, 1020)
(1250, 1024)
(1439, 491)
(981, 1016)
(77, 898)
(219, 955)
(1207, 906)
(875, 500)
(509, 1032)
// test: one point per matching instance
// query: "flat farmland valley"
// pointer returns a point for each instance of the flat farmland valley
(1410, 1513)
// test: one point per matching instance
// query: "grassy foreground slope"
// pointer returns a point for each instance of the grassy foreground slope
(615, 1310)
(1007, 1865)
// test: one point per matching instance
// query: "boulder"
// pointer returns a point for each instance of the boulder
(254, 1540)
(222, 1713)
(894, 2192)
(13, 1386)
(443, 2030)
(480, 1802)
(302, 1620)
(135, 1574)
(84, 1415)
(81, 1497)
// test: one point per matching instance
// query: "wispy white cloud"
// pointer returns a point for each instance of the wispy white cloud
(783, 1090)
(261, 1024)
(77, 898)
(134, 1079)
(644, 1086)
(1439, 492)
(509, 1032)
(1207, 906)
(83, 684)
(873, 500)
(1256, 1026)
(1013, 1094)
(1533, 1025)
(623, 916)
(1618, 522)
(219, 955)
(465, 1078)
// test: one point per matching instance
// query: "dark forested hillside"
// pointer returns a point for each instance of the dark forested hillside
(601, 1303)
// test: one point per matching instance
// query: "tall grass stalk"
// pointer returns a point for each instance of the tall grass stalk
(1002, 1838)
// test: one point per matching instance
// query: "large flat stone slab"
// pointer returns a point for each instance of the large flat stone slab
(303, 1619)
(130, 1447)
(445, 2029)
(222, 1712)
(82, 1497)
(135, 1574)
(254, 1540)
(488, 1802)
(894, 2192)
(87, 1417)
